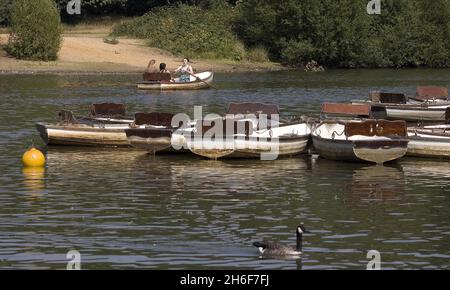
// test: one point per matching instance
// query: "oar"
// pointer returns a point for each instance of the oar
(199, 79)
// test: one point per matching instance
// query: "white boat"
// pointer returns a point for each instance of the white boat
(430, 104)
(250, 130)
(98, 134)
(376, 141)
(197, 81)
(419, 113)
(429, 141)
(171, 139)
(282, 140)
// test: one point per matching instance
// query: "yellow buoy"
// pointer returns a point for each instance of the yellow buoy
(33, 158)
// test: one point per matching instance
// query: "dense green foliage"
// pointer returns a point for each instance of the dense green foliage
(35, 30)
(342, 34)
(124, 7)
(187, 30)
(5, 6)
(408, 33)
(99, 8)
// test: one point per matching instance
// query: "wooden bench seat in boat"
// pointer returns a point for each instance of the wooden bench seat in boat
(358, 110)
(253, 108)
(154, 119)
(388, 98)
(157, 77)
(426, 93)
(376, 128)
(108, 110)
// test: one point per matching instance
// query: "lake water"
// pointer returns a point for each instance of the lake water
(124, 209)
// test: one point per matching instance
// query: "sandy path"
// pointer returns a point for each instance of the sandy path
(88, 53)
(130, 52)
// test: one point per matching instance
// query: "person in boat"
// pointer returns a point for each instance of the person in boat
(186, 71)
(162, 68)
(151, 67)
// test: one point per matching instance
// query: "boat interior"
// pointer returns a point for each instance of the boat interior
(361, 130)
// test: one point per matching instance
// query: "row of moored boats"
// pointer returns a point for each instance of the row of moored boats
(381, 129)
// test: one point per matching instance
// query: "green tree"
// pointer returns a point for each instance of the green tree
(35, 31)
(5, 7)
(408, 33)
(436, 33)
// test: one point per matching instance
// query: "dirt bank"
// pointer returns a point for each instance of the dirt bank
(89, 54)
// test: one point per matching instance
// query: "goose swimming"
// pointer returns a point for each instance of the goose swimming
(274, 249)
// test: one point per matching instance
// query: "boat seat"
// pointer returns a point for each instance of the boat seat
(359, 110)
(156, 77)
(154, 118)
(346, 109)
(388, 98)
(376, 128)
(244, 127)
(253, 108)
(108, 110)
(67, 117)
(431, 92)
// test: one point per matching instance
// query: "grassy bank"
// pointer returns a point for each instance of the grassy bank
(193, 32)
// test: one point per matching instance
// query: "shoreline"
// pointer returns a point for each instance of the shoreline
(125, 72)
(89, 54)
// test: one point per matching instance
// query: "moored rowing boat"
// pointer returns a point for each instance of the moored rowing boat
(429, 141)
(376, 141)
(96, 134)
(430, 104)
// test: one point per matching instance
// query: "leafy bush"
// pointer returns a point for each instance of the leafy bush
(186, 30)
(35, 31)
(5, 6)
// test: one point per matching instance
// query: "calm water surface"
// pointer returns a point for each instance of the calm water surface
(125, 209)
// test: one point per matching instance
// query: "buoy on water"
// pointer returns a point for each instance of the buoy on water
(33, 158)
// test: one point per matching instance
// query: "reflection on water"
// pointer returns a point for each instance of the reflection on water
(128, 209)
(364, 183)
(34, 180)
(438, 171)
(377, 183)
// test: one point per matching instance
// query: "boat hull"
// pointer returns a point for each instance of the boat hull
(250, 147)
(360, 151)
(152, 140)
(82, 135)
(432, 114)
(429, 145)
(192, 85)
